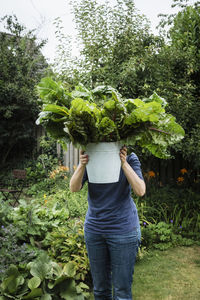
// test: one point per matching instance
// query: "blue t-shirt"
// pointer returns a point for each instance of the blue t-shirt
(111, 208)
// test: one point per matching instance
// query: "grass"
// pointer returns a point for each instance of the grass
(170, 275)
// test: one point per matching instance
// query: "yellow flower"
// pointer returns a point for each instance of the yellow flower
(183, 171)
(74, 167)
(45, 196)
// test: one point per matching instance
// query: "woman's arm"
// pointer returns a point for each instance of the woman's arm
(137, 184)
(77, 177)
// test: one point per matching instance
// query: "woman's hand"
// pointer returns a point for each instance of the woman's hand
(123, 155)
(84, 158)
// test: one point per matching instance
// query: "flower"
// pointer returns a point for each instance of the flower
(171, 221)
(151, 174)
(180, 179)
(45, 200)
(64, 168)
(59, 171)
(183, 171)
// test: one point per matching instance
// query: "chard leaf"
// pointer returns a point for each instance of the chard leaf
(156, 98)
(83, 117)
(61, 110)
(82, 92)
(102, 114)
(108, 130)
(51, 91)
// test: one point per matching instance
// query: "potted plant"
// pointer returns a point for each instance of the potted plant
(102, 115)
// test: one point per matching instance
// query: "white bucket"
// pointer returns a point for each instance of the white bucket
(104, 162)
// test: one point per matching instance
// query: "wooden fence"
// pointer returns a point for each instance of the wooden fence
(70, 157)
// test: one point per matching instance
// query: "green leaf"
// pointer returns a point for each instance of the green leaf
(107, 130)
(40, 267)
(156, 98)
(70, 269)
(33, 294)
(34, 283)
(59, 280)
(134, 121)
(68, 291)
(51, 91)
(61, 110)
(12, 281)
(46, 297)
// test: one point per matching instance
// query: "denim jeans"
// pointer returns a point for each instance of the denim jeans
(112, 259)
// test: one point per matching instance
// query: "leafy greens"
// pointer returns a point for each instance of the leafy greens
(102, 115)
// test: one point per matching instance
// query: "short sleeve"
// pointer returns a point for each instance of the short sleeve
(134, 162)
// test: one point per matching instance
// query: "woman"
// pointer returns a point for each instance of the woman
(112, 230)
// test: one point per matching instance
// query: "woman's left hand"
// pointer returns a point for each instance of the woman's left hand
(123, 155)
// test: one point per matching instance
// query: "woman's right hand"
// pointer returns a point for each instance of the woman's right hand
(84, 158)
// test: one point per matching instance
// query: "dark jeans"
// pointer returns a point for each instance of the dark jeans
(112, 258)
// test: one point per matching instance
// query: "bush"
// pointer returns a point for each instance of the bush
(12, 250)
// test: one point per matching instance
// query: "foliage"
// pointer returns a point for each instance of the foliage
(38, 223)
(22, 66)
(11, 251)
(43, 279)
(162, 236)
(173, 203)
(52, 223)
(132, 121)
(47, 160)
(118, 49)
(178, 80)
(67, 244)
(114, 43)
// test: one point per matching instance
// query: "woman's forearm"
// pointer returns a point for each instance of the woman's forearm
(137, 184)
(76, 179)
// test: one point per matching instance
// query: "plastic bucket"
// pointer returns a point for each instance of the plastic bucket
(104, 162)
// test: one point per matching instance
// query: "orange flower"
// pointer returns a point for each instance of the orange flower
(63, 168)
(58, 171)
(183, 171)
(180, 179)
(151, 174)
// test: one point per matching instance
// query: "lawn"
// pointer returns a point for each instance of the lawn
(169, 275)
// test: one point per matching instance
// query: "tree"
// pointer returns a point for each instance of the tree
(21, 67)
(178, 76)
(118, 49)
(115, 43)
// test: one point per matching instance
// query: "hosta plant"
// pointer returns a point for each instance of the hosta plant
(102, 115)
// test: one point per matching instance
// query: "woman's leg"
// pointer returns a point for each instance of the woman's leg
(100, 265)
(123, 250)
